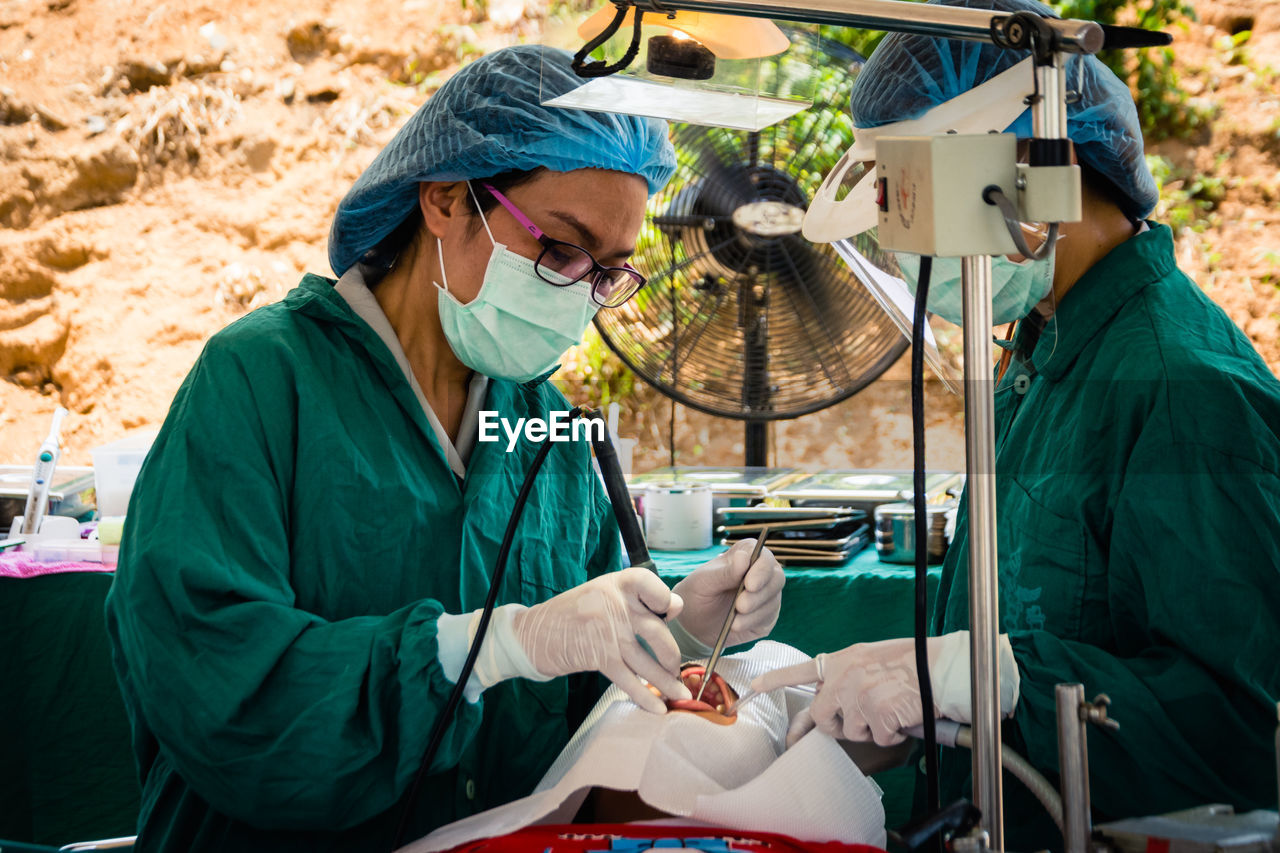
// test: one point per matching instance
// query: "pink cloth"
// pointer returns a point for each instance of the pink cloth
(20, 565)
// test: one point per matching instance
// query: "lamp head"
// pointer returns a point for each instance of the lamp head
(725, 36)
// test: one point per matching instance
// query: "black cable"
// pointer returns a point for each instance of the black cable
(495, 582)
(600, 68)
(615, 485)
(922, 530)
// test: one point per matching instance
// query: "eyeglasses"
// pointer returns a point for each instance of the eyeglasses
(563, 264)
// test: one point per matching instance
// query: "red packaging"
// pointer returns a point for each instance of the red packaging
(628, 837)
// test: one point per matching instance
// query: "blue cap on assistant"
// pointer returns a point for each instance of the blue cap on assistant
(909, 74)
(486, 120)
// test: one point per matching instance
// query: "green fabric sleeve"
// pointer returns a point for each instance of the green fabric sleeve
(274, 715)
(1194, 594)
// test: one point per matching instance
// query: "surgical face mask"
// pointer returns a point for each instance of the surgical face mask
(518, 326)
(1016, 286)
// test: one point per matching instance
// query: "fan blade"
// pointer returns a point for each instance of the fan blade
(818, 292)
(725, 185)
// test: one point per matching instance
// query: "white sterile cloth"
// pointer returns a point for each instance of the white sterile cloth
(735, 777)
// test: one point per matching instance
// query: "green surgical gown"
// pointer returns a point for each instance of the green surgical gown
(1138, 505)
(292, 539)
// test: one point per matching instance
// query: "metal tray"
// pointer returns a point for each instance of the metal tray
(724, 481)
(70, 493)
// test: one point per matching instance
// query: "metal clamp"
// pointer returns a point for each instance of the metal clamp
(1095, 712)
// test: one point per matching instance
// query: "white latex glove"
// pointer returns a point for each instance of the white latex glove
(595, 627)
(870, 692)
(709, 590)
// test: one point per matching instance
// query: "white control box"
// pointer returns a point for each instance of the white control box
(1049, 193)
(929, 193)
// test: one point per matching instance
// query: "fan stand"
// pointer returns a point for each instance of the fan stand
(753, 299)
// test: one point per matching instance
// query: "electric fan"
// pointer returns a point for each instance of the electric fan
(742, 317)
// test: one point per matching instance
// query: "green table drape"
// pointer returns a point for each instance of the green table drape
(66, 766)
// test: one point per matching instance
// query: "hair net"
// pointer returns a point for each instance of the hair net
(486, 120)
(908, 74)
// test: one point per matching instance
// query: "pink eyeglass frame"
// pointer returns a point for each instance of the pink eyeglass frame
(593, 275)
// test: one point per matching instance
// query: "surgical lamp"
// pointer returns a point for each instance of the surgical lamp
(696, 40)
(691, 66)
(953, 195)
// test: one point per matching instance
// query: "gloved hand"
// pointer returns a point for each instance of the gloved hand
(869, 691)
(594, 627)
(709, 590)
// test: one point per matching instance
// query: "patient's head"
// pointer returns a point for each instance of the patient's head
(670, 759)
(606, 805)
(627, 763)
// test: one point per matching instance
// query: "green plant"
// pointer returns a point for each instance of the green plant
(1164, 108)
(1187, 199)
(863, 41)
(1232, 48)
(593, 365)
(570, 10)
(1272, 276)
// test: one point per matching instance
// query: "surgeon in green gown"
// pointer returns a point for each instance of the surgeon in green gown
(1137, 489)
(313, 532)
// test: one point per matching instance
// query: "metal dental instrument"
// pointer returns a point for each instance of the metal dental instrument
(728, 619)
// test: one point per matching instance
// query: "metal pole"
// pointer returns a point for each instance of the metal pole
(900, 16)
(1073, 762)
(1049, 113)
(984, 607)
(756, 444)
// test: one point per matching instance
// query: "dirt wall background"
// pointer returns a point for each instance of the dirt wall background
(165, 167)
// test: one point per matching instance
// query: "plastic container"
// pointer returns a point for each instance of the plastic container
(70, 492)
(115, 468)
(677, 516)
(67, 551)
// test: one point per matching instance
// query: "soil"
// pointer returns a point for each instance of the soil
(166, 167)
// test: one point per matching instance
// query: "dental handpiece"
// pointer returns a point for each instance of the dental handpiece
(41, 475)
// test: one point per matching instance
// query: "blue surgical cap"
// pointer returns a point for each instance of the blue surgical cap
(909, 74)
(486, 120)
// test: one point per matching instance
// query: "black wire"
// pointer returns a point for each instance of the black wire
(922, 530)
(600, 68)
(495, 582)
